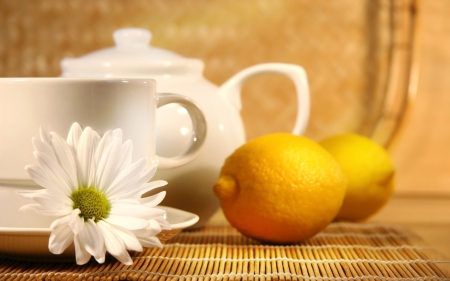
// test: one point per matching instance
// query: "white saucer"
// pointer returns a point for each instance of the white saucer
(31, 244)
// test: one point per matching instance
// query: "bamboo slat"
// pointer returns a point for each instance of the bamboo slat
(343, 251)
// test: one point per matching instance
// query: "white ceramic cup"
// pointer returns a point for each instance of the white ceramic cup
(26, 104)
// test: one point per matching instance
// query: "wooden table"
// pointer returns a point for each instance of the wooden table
(429, 217)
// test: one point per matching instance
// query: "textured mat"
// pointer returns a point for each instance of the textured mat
(343, 251)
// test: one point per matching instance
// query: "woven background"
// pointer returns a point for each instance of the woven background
(347, 48)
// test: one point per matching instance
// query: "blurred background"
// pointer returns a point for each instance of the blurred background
(357, 53)
(376, 67)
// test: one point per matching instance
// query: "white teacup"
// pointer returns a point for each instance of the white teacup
(26, 104)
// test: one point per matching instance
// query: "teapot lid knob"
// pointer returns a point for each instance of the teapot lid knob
(132, 37)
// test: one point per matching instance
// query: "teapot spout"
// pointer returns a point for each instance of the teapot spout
(231, 89)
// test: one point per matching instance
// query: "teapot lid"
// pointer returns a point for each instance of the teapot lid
(132, 56)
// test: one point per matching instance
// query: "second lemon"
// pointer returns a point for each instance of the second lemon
(370, 171)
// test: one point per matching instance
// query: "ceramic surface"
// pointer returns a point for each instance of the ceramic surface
(190, 186)
(31, 243)
(101, 103)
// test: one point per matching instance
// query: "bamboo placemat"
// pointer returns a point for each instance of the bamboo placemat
(343, 251)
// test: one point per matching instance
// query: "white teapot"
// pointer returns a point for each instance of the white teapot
(190, 187)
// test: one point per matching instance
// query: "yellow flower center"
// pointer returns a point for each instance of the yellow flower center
(92, 203)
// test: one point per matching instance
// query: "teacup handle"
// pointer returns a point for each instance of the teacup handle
(231, 89)
(198, 126)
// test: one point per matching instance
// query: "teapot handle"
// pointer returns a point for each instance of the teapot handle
(231, 89)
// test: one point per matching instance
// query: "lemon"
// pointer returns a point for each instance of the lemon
(280, 188)
(370, 172)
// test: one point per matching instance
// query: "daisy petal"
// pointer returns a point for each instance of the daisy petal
(130, 223)
(96, 141)
(40, 177)
(65, 158)
(126, 156)
(102, 145)
(124, 201)
(150, 242)
(140, 211)
(54, 172)
(62, 221)
(92, 240)
(138, 192)
(124, 257)
(128, 237)
(163, 223)
(86, 160)
(74, 136)
(38, 209)
(154, 200)
(85, 154)
(43, 147)
(31, 193)
(129, 188)
(82, 256)
(76, 223)
(46, 199)
(118, 133)
(107, 166)
(60, 238)
(114, 244)
(127, 180)
(147, 175)
(150, 172)
(153, 229)
(45, 137)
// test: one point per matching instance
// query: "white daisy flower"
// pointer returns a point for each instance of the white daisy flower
(95, 189)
